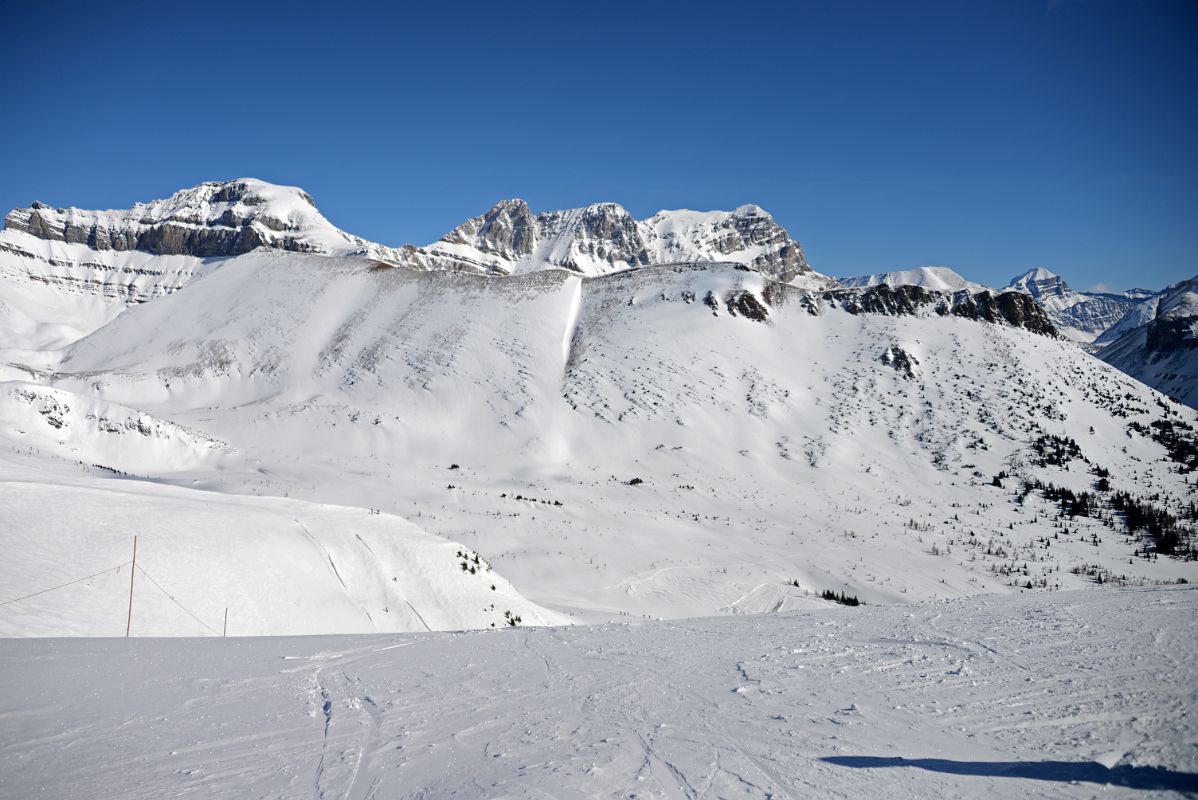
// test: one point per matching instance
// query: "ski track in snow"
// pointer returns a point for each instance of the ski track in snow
(1066, 695)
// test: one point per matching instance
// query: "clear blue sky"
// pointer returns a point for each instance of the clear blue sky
(986, 136)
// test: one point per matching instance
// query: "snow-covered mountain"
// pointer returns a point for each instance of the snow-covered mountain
(205, 221)
(940, 279)
(613, 437)
(67, 271)
(1081, 316)
(604, 237)
(1162, 350)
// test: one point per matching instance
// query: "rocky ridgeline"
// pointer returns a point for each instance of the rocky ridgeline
(234, 217)
(604, 237)
(1012, 308)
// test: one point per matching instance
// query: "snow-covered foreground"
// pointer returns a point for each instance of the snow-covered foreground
(1069, 694)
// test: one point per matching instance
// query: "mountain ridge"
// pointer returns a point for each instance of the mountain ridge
(618, 438)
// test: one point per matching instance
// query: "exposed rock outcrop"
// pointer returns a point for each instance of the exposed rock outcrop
(1012, 308)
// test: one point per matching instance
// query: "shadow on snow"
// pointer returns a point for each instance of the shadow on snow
(1130, 777)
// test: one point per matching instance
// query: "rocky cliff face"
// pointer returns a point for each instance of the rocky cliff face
(508, 231)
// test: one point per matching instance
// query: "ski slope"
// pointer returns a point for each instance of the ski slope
(276, 566)
(1068, 695)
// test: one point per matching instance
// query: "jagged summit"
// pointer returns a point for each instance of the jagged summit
(1041, 283)
(604, 237)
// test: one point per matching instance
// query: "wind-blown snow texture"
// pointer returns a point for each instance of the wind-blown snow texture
(1070, 695)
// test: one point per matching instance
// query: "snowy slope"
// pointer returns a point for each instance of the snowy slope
(53, 293)
(843, 439)
(279, 566)
(1068, 696)
(672, 439)
(82, 428)
(941, 279)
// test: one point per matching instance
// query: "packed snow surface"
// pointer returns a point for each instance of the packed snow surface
(1069, 695)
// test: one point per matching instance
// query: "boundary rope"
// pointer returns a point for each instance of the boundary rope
(68, 583)
(176, 602)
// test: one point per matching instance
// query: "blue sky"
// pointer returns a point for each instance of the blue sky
(986, 136)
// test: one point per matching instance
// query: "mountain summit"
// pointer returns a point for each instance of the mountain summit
(212, 219)
(234, 217)
(604, 237)
(940, 279)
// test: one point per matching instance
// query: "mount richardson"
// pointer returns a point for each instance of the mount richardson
(541, 418)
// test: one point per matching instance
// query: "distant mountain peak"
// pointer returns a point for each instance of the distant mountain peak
(941, 279)
(1033, 275)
